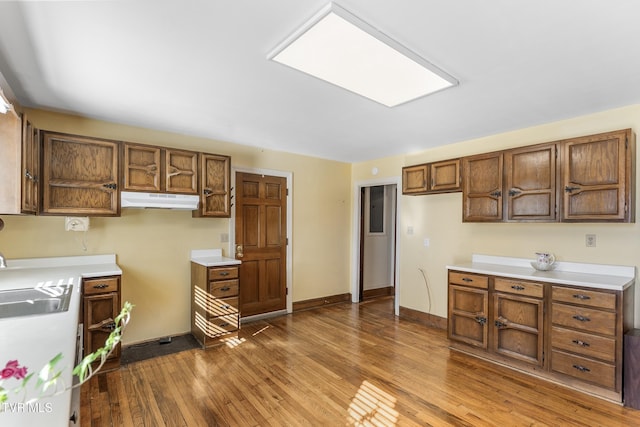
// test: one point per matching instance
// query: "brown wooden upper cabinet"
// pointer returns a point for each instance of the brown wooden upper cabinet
(156, 169)
(431, 178)
(80, 175)
(215, 192)
(598, 177)
(585, 179)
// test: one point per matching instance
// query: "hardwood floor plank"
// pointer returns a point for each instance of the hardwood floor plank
(345, 364)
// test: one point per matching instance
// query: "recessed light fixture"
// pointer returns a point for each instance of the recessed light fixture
(341, 49)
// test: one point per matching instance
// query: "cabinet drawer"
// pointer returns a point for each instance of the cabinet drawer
(100, 285)
(535, 290)
(221, 306)
(468, 279)
(584, 369)
(223, 273)
(587, 319)
(584, 344)
(216, 326)
(584, 297)
(223, 288)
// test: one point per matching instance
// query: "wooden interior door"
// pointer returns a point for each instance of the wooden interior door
(261, 242)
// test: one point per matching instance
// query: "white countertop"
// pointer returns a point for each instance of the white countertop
(34, 340)
(600, 276)
(211, 258)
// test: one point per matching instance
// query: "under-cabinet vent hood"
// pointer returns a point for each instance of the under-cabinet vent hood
(130, 199)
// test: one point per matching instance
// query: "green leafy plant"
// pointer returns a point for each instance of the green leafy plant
(49, 376)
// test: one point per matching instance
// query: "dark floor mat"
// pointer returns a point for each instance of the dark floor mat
(148, 350)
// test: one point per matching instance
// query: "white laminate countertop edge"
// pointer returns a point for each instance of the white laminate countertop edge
(599, 276)
(211, 258)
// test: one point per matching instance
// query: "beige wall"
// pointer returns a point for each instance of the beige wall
(439, 217)
(152, 246)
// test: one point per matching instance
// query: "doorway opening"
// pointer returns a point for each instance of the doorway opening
(375, 241)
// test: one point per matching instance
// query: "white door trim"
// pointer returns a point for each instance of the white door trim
(355, 241)
(232, 222)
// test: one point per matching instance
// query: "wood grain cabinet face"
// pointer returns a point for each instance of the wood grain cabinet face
(482, 188)
(518, 322)
(415, 179)
(156, 169)
(181, 172)
(530, 183)
(141, 168)
(469, 309)
(215, 192)
(597, 178)
(432, 178)
(80, 175)
(101, 305)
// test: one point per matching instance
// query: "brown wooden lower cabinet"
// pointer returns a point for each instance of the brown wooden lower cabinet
(100, 307)
(215, 313)
(568, 334)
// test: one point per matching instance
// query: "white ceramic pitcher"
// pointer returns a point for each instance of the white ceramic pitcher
(545, 259)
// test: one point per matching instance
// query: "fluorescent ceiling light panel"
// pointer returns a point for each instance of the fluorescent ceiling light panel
(339, 48)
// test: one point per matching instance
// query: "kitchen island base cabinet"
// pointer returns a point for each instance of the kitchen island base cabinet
(570, 335)
(215, 316)
(100, 307)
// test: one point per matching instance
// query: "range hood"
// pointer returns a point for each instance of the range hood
(131, 199)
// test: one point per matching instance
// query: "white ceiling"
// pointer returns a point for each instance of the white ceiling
(199, 67)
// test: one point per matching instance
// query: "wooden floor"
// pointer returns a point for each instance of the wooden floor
(339, 365)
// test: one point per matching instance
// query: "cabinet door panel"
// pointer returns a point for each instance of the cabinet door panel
(518, 323)
(99, 314)
(80, 175)
(30, 167)
(181, 172)
(468, 312)
(215, 194)
(482, 187)
(596, 177)
(445, 176)
(415, 179)
(141, 168)
(530, 183)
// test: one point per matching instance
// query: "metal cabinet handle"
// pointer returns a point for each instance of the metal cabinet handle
(581, 343)
(517, 288)
(226, 288)
(466, 279)
(224, 273)
(569, 189)
(481, 320)
(100, 286)
(581, 318)
(496, 193)
(581, 297)
(582, 368)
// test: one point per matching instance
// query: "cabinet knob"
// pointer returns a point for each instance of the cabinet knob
(481, 320)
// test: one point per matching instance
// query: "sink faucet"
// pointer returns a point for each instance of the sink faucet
(3, 261)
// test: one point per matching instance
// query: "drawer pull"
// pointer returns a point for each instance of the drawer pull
(224, 273)
(466, 279)
(517, 288)
(581, 297)
(501, 324)
(100, 286)
(481, 320)
(581, 318)
(225, 289)
(225, 306)
(581, 343)
(582, 368)
(224, 325)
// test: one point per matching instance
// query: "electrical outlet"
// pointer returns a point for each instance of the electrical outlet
(75, 223)
(590, 240)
